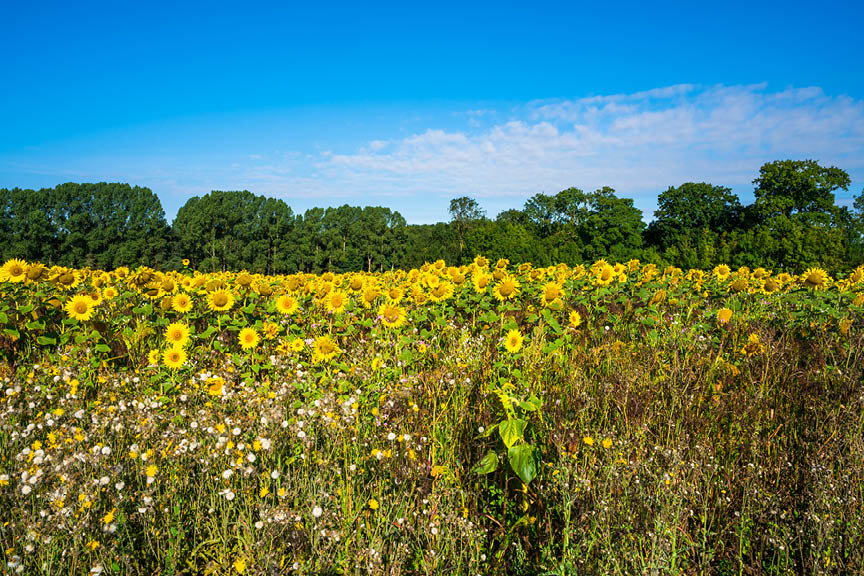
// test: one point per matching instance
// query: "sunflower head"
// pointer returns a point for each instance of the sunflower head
(248, 338)
(513, 341)
(324, 349)
(815, 279)
(177, 334)
(174, 358)
(80, 307)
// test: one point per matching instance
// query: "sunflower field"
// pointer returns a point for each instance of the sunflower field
(479, 419)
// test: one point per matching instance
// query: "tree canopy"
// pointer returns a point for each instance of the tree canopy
(793, 223)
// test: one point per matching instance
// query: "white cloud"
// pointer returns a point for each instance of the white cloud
(637, 143)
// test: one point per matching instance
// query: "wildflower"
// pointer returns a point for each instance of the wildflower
(317, 511)
(607, 443)
(240, 565)
(373, 504)
(588, 440)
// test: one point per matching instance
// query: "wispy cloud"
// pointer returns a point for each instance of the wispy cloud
(638, 143)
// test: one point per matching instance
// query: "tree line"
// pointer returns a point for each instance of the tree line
(793, 223)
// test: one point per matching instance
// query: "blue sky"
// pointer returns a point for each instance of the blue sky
(408, 105)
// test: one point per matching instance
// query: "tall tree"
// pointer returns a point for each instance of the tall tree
(464, 213)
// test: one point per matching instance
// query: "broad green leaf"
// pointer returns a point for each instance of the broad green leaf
(522, 462)
(511, 431)
(488, 464)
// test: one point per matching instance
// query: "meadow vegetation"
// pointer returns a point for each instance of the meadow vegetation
(488, 418)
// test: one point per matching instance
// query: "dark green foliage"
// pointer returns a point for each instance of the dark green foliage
(99, 225)
(794, 223)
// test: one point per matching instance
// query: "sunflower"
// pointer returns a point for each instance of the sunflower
(513, 341)
(36, 272)
(575, 318)
(174, 358)
(815, 279)
(604, 274)
(248, 338)
(770, 286)
(506, 289)
(177, 334)
(297, 345)
(392, 316)
(286, 304)
(395, 294)
(724, 315)
(109, 293)
(66, 278)
(324, 349)
(13, 270)
(552, 292)
(181, 302)
(153, 357)
(185, 261)
(220, 300)
(441, 292)
(722, 271)
(215, 386)
(80, 307)
(481, 282)
(336, 301)
(753, 346)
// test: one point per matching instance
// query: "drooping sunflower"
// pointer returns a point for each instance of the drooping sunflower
(480, 280)
(724, 315)
(815, 279)
(506, 289)
(174, 358)
(220, 300)
(370, 294)
(286, 304)
(248, 338)
(177, 334)
(324, 349)
(13, 270)
(513, 341)
(66, 278)
(80, 307)
(181, 302)
(753, 346)
(392, 316)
